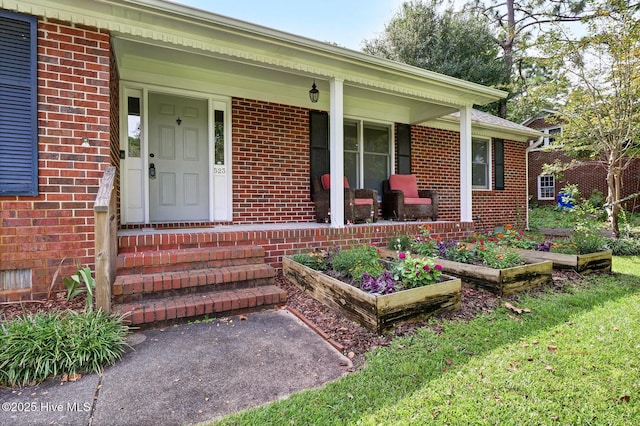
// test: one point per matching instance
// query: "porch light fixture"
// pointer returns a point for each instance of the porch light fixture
(179, 121)
(314, 93)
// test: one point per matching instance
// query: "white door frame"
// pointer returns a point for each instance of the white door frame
(221, 176)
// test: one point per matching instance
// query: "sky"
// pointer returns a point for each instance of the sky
(344, 22)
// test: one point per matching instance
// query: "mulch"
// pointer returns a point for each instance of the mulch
(355, 340)
(348, 336)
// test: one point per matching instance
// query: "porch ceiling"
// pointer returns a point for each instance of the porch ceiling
(180, 67)
(263, 59)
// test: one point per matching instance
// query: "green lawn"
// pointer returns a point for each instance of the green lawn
(551, 217)
(574, 359)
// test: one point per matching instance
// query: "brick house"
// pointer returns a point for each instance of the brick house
(589, 176)
(207, 121)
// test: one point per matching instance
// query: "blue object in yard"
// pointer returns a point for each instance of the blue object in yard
(565, 201)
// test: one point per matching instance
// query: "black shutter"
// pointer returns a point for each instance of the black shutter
(18, 108)
(404, 149)
(319, 144)
(498, 150)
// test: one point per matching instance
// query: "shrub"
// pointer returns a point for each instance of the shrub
(624, 246)
(588, 242)
(37, 346)
(597, 198)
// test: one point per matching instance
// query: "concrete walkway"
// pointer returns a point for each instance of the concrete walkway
(186, 374)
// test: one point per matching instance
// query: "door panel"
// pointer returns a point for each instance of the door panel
(178, 149)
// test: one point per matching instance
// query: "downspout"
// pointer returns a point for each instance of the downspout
(526, 162)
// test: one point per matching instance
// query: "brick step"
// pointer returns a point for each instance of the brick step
(132, 287)
(187, 259)
(211, 304)
(185, 239)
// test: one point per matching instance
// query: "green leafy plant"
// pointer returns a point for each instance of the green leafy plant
(456, 251)
(318, 260)
(424, 244)
(80, 282)
(508, 237)
(353, 263)
(36, 346)
(498, 257)
(416, 272)
(571, 194)
(400, 243)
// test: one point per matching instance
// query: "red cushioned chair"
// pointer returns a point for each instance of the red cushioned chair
(360, 205)
(402, 200)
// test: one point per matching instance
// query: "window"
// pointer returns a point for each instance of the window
(480, 157)
(550, 136)
(367, 148)
(546, 187)
(18, 111)
(553, 133)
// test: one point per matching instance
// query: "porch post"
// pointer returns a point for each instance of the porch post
(466, 185)
(336, 149)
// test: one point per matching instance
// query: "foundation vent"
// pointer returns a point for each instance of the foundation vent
(16, 279)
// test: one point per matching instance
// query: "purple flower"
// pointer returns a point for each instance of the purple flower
(426, 268)
(438, 267)
(402, 255)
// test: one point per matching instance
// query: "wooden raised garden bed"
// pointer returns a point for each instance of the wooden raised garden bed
(499, 281)
(582, 263)
(373, 311)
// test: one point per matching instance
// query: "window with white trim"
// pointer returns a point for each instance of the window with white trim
(546, 187)
(367, 154)
(481, 163)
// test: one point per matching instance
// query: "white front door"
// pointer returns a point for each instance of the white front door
(178, 159)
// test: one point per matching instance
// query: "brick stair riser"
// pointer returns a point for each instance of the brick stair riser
(176, 289)
(162, 241)
(209, 304)
(173, 260)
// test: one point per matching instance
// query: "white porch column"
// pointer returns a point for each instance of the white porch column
(336, 151)
(466, 185)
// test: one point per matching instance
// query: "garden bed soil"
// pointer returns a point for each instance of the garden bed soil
(581, 263)
(374, 311)
(499, 281)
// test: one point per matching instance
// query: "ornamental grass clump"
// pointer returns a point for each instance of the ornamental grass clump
(37, 346)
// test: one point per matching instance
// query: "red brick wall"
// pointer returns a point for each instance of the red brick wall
(435, 159)
(73, 102)
(270, 163)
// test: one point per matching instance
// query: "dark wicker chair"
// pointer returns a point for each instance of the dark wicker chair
(360, 205)
(401, 199)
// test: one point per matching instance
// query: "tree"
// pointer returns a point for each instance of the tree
(457, 44)
(601, 117)
(517, 24)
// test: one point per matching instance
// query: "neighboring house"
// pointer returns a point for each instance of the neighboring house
(589, 176)
(208, 121)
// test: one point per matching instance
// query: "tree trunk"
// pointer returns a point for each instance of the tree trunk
(613, 197)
